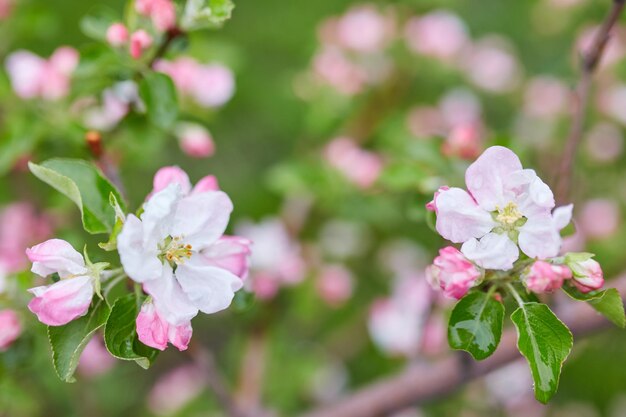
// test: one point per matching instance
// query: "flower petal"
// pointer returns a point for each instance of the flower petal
(140, 262)
(62, 302)
(202, 218)
(485, 177)
(209, 288)
(231, 253)
(493, 251)
(539, 237)
(151, 329)
(180, 336)
(158, 214)
(170, 301)
(208, 183)
(171, 175)
(56, 255)
(532, 195)
(562, 216)
(459, 218)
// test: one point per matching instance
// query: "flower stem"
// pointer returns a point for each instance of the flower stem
(515, 294)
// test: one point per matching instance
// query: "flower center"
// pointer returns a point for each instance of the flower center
(174, 251)
(509, 215)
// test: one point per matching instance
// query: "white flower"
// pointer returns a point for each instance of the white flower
(170, 250)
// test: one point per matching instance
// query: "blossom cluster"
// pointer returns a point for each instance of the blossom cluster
(506, 222)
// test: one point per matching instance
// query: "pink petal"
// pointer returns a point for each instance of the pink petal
(56, 256)
(208, 183)
(231, 253)
(485, 177)
(171, 175)
(62, 302)
(151, 329)
(180, 336)
(459, 218)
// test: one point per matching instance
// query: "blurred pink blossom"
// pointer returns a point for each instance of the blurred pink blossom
(139, 41)
(435, 339)
(599, 218)
(115, 105)
(334, 284)
(176, 389)
(460, 106)
(491, 65)
(6, 7)
(359, 166)
(10, 328)
(396, 323)
(511, 386)
(331, 66)
(614, 50)
(162, 13)
(605, 142)
(276, 258)
(210, 85)
(612, 101)
(440, 34)
(424, 122)
(364, 29)
(464, 141)
(195, 140)
(35, 77)
(117, 34)
(20, 227)
(95, 359)
(546, 96)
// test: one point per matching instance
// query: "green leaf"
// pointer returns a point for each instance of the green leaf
(158, 92)
(475, 325)
(120, 335)
(431, 220)
(120, 218)
(201, 14)
(68, 341)
(86, 186)
(545, 342)
(608, 303)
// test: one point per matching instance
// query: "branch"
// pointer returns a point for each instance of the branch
(589, 63)
(420, 383)
(170, 35)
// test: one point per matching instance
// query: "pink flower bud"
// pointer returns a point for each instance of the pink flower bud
(334, 284)
(163, 14)
(545, 277)
(154, 331)
(195, 140)
(432, 205)
(143, 7)
(117, 34)
(208, 183)
(213, 85)
(6, 7)
(170, 175)
(139, 41)
(439, 34)
(463, 142)
(587, 275)
(10, 328)
(62, 302)
(359, 166)
(599, 218)
(364, 29)
(452, 273)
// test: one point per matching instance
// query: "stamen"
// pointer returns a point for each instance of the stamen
(508, 215)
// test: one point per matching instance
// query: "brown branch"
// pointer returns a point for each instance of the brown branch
(420, 384)
(170, 35)
(252, 373)
(589, 63)
(109, 168)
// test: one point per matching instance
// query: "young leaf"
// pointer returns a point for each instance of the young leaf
(120, 218)
(86, 186)
(120, 336)
(68, 341)
(158, 92)
(608, 303)
(201, 14)
(545, 342)
(96, 23)
(475, 325)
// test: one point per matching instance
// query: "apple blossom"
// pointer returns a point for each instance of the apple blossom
(396, 323)
(70, 297)
(587, 274)
(175, 389)
(10, 328)
(210, 85)
(6, 7)
(506, 206)
(452, 273)
(34, 77)
(604, 142)
(359, 166)
(331, 66)
(195, 140)
(334, 284)
(139, 41)
(116, 104)
(544, 277)
(363, 29)
(276, 260)
(546, 96)
(117, 34)
(161, 12)
(154, 331)
(464, 141)
(490, 65)
(176, 250)
(439, 34)
(174, 175)
(599, 218)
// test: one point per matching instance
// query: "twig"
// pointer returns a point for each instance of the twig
(103, 160)
(421, 384)
(252, 373)
(205, 360)
(170, 35)
(589, 63)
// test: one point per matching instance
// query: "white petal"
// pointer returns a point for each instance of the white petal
(539, 237)
(459, 218)
(493, 251)
(140, 262)
(485, 177)
(202, 218)
(532, 195)
(158, 214)
(56, 255)
(562, 216)
(169, 299)
(211, 289)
